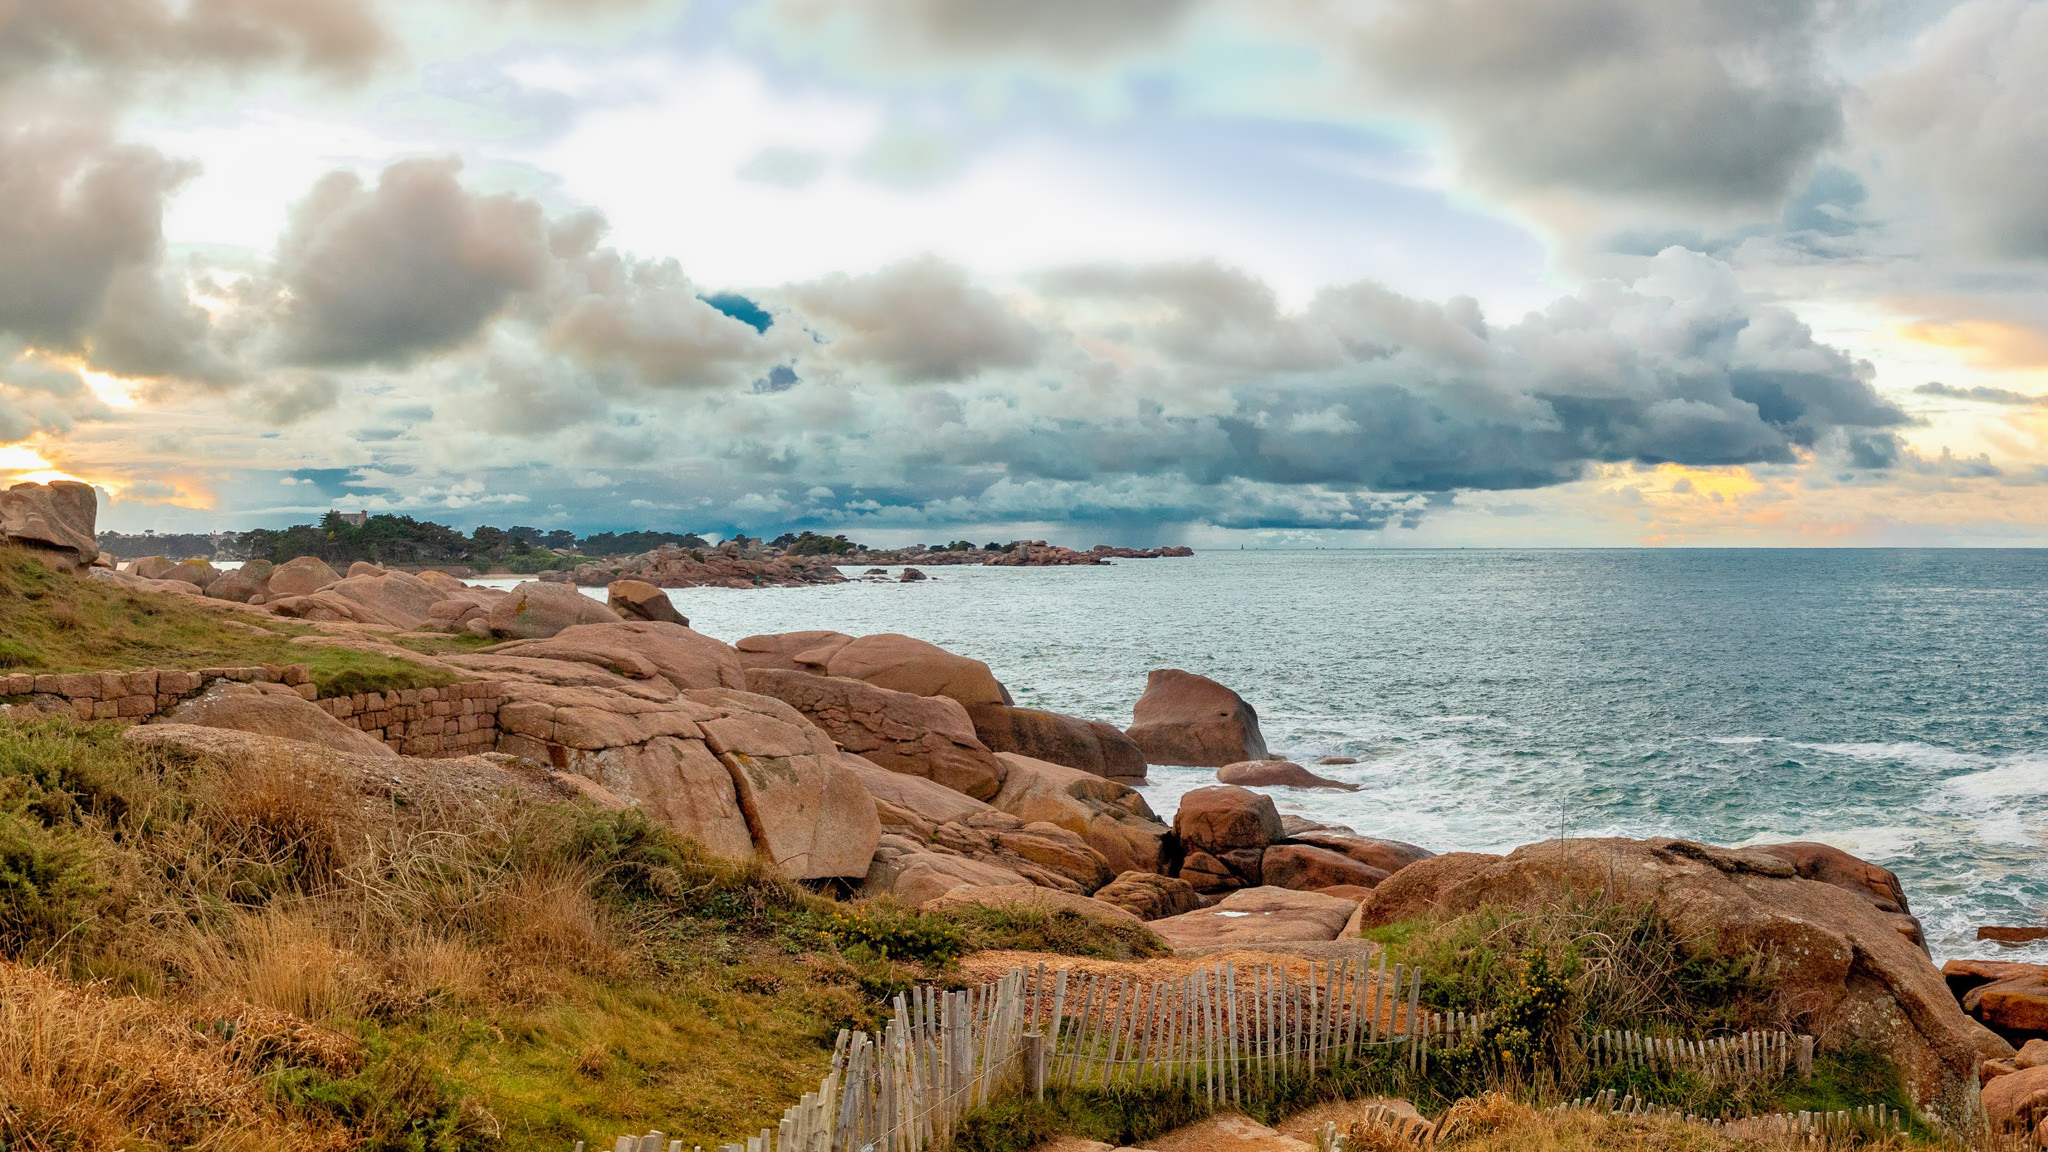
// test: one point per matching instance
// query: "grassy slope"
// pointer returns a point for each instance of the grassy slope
(51, 622)
(509, 974)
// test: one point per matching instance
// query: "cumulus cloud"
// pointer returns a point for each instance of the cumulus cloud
(1695, 101)
(1968, 114)
(649, 317)
(1065, 30)
(918, 321)
(341, 37)
(417, 264)
(80, 211)
(1980, 394)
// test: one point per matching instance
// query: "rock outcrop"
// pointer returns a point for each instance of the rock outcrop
(671, 566)
(197, 573)
(735, 772)
(2007, 997)
(1307, 868)
(927, 736)
(639, 600)
(272, 710)
(536, 610)
(1032, 898)
(804, 810)
(394, 599)
(1110, 818)
(904, 664)
(1276, 774)
(912, 873)
(1149, 896)
(792, 651)
(1224, 832)
(1831, 865)
(1256, 916)
(1845, 973)
(1187, 719)
(1089, 745)
(639, 650)
(54, 522)
(243, 584)
(1386, 855)
(301, 577)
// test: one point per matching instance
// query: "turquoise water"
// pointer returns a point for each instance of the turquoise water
(1893, 703)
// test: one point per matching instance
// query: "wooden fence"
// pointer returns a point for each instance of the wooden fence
(1221, 1031)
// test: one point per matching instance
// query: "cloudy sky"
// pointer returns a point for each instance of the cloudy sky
(1263, 272)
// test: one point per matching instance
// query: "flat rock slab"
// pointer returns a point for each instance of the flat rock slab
(1227, 1134)
(1255, 916)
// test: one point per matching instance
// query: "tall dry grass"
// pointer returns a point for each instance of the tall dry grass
(81, 1068)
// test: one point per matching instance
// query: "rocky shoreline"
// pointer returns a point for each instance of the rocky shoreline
(885, 766)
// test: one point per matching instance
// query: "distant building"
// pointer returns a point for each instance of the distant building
(355, 519)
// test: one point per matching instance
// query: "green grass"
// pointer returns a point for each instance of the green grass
(52, 622)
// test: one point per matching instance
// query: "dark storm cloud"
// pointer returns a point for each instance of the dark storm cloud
(77, 211)
(1980, 394)
(1367, 389)
(1702, 102)
(918, 321)
(416, 265)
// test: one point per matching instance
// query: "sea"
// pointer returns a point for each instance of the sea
(1893, 703)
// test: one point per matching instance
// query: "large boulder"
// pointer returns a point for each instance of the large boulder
(1058, 852)
(1223, 819)
(1149, 896)
(903, 664)
(2010, 998)
(639, 600)
(740, 774)
(927, 736)
(2017, 1103)
(1845, 974)
(1255, 916)
(536, 610)
(1109, 817)
(1187, 719)
(1310, 869)
(639, 650)
(913, 874)
(1032, 898)
(930, 802)
(1831, 865)
(792, 651)
(1089, 745)
(1276, 774)
(54, 521)
(272, 710)
(1385, 855)
(400, 599)
(301, 577)
(808, 814)
(152, 567)
(197, 573)
(243, 584)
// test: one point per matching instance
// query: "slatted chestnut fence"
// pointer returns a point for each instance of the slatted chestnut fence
(1221, 1031)
(1751, 1054)
(1871, 1120)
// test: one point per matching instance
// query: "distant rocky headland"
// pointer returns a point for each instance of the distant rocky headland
(663, 559)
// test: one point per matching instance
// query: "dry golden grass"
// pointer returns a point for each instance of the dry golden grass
(84, 1069)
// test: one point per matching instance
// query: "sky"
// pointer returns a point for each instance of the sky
(1271, 273)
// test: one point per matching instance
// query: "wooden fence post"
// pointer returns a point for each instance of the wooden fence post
(1034, 1064)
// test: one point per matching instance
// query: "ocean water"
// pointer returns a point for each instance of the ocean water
(1892, 703)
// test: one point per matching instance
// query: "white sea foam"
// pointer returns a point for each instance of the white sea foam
(2020, 776)
(1912, 753)
(1739, 739)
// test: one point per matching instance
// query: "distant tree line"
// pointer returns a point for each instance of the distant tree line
(399, 540)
